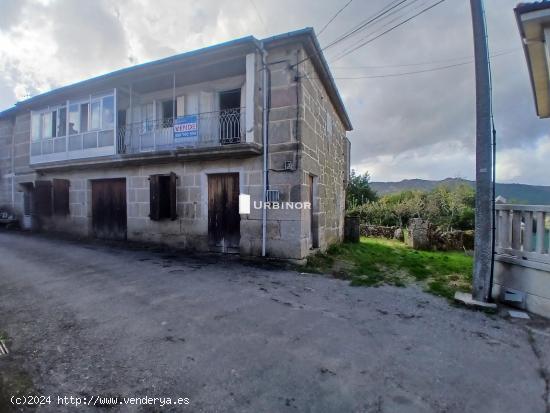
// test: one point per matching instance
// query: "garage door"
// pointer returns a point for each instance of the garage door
(109, 208)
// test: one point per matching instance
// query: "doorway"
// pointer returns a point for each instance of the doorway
(109, 208)
(230, 116)
(224, 221)
(313, 212)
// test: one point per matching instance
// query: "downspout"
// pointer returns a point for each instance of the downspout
(265, 110)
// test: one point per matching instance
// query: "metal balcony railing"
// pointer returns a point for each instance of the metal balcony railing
(213, 129)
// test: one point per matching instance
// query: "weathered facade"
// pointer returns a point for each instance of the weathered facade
(102, 157)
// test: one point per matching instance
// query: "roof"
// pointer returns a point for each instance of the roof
(306, 35)
(532, 19)
(527, 7)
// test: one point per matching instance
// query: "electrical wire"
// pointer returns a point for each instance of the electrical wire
(368, 21)
(387, 23)
(390, 29)
(435, 69)
(357, 28)
(454, 59)
(334, 17)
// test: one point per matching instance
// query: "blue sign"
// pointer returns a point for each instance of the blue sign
(186, 127)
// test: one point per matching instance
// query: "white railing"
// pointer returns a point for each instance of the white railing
(224, 127)
(522, 231)
(82, 145)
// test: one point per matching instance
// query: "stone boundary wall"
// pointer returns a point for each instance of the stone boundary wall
(422, 235)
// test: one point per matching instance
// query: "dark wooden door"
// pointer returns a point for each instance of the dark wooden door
(109, 208)
(313, 217)
(42, 199)
(224, 221)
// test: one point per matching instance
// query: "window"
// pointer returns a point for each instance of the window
(108, 112)
(74, 120)
(46, 125)
(147, 116)
(35, 127)
(61, 197)
(169, 108)
(95, 115)
(54, 122)
(230, 116)
(162, 197)
(61, 121)
(84, 117)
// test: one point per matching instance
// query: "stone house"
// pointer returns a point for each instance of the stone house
(162, 151)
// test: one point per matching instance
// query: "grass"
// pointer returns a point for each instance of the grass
(376, 261)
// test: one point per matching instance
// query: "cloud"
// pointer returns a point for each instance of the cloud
(418, 125)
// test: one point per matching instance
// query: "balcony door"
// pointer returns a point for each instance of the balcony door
(230, 116)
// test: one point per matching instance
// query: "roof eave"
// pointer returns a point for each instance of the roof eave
(520, 10)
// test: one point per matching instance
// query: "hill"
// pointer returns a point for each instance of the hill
(514, 193)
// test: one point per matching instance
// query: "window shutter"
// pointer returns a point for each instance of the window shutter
(173, 200)
(61, 197)
(42, 198)
(192, 104)
(180, 106)
(154, 197)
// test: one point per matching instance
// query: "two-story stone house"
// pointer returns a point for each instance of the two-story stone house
(159, 152)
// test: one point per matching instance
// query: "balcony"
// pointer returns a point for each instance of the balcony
(522, 260)
(173, 113)
(202, 130)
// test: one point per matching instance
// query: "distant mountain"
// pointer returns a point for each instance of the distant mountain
(514, 193)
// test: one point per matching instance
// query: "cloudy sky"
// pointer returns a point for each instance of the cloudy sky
(407, 126)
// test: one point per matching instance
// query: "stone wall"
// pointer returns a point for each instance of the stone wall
(378, 231)
(424, 235)
(323, 154)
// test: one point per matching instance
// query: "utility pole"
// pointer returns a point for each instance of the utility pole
(483, 214)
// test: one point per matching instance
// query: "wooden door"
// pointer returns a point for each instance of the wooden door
(313, 217)
(224, 221)
(42, 199)
(109, 208)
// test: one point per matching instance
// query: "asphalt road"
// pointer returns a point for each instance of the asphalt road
(89, 319)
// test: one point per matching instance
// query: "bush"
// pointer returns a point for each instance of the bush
(446, 208)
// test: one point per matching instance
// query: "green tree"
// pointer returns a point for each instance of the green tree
(359, 191)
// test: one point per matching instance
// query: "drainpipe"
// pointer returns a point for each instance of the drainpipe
(265, 110)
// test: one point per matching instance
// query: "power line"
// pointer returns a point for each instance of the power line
(388, 23)
(389, 30)
(435, 69)
(334, 17)
(455, 59)
(361, 26)
(384, 11)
